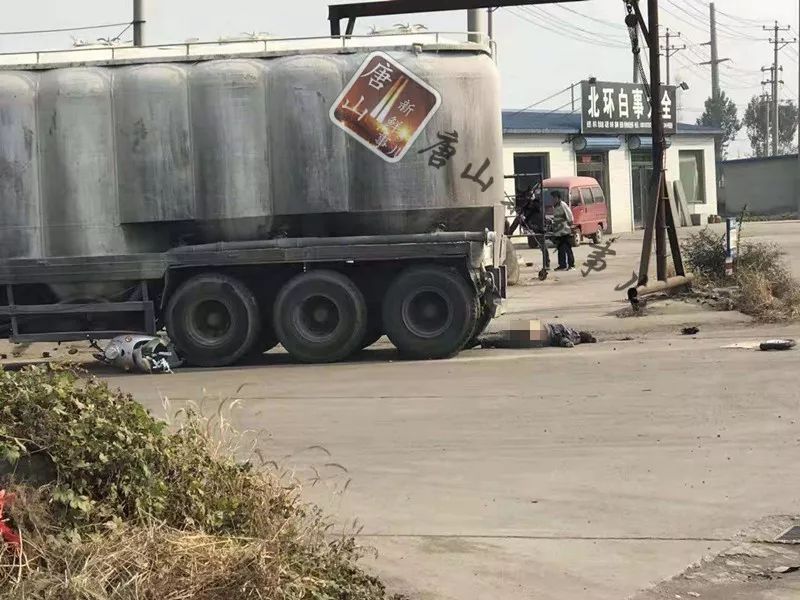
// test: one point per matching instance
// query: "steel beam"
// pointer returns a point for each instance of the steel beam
(352, 11)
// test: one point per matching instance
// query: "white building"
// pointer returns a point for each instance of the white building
(550, 144)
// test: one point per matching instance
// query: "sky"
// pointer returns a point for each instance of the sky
(541, 50)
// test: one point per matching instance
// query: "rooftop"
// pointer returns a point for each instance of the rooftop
(569, 123)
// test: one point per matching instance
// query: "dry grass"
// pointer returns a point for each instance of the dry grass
(766, 288)
(206, 527)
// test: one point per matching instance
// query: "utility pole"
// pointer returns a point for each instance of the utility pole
(778, 44)
(770, 108)
(716, 109)
(139, 21)
(671, 50)
(635, 63)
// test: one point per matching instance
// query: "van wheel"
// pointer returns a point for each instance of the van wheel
(597, 237)
(577, 238)
(320, 316)
(213, 320)
(430, 312)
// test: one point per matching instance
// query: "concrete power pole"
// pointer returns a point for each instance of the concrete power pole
(716, 113)
(139, 21)
(778, 43)
(670, 51)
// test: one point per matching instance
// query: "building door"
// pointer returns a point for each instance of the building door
(641, 172)
(596, 167)
(531, 169)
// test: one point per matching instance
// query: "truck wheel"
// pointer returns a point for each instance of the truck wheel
(430, 312)
(213, 320)
(512, 263)
(320, 316)
(577, 238)
(265, 341)
(374, 330)
(481, 325)
(597, 237)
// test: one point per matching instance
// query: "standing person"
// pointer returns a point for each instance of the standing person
(562, 231)
(534, 218)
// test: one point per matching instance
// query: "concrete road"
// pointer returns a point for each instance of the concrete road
(531, 474)
(584, 473)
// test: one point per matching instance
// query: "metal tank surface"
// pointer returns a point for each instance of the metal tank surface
(20, 223)
(140, 156)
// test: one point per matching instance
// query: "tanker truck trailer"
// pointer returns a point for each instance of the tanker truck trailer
(317, 195)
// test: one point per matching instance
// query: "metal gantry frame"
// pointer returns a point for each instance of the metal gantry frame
(381, 8)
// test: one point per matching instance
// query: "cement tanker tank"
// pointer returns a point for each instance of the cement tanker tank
(133, 158)
(319, 197)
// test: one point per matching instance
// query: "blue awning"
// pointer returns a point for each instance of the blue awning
(642, 142)
(596, 143)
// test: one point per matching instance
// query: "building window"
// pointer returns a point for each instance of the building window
(530, 169)
(693, 176)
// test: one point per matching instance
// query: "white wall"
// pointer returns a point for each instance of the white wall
(706, 145)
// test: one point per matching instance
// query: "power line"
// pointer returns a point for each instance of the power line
(564, 25)
(611, 24)
(63, 29)
(692, 17)
(565, 33)
(543, 100)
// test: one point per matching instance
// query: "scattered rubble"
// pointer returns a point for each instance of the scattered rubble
(690, 330)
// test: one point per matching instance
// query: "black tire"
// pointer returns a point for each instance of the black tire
(374, 330)
(430, 312)
(213, 320)
(577, 238)
(481, 325)
(597, 237)
(265, 341)
(533, 243)
(320, 316)
(512, 264)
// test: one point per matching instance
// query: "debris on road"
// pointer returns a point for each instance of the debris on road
(690, 330)
(143, 353)
(535, 334)
(777, 345)
(784, 570)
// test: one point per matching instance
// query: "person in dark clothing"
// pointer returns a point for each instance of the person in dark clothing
(562, 231)
(534, 218)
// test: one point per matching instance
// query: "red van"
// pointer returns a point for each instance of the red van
(589, 205)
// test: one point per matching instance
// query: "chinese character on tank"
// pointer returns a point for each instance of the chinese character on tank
(443, 150)
(385, 107)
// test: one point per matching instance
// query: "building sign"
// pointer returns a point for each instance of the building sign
(616, 108)
(385, 106)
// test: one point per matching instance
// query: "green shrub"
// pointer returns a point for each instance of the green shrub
(140, 510)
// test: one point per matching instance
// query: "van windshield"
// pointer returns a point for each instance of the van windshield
(547, 194)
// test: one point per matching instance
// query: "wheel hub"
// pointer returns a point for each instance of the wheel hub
(427, 313)
(209, 321)
(317, 318)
